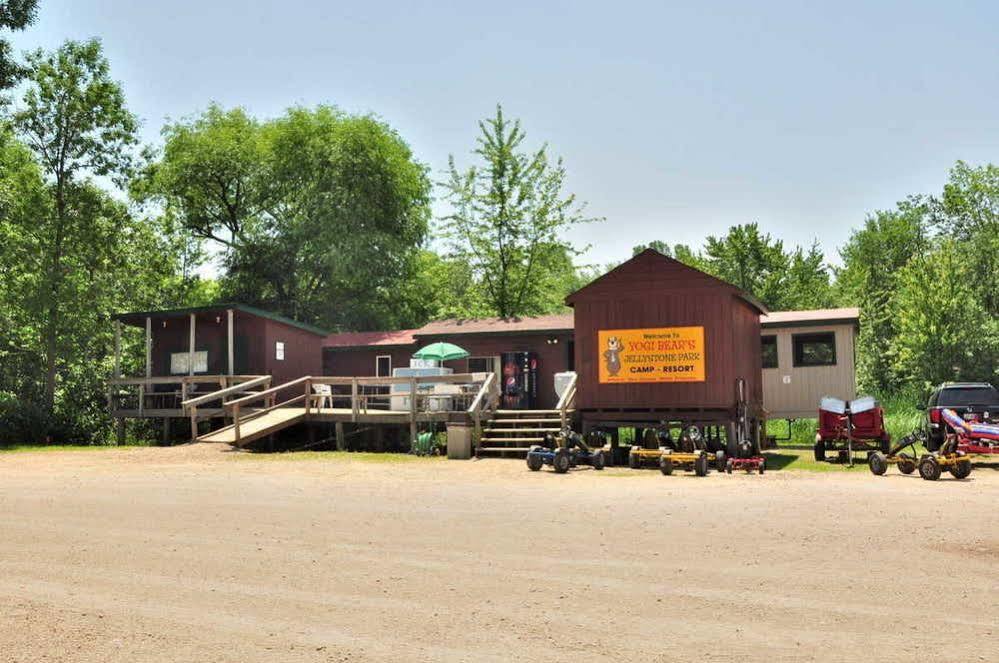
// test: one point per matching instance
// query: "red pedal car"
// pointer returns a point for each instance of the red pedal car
(857, 425)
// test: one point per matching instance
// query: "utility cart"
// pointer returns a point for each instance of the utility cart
(849, 426)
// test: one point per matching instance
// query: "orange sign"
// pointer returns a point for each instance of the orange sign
(666, 354)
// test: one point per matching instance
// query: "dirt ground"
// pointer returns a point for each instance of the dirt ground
(197, 554)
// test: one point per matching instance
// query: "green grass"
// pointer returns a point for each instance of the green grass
(47, 448)
(902, 415)
(386, 458)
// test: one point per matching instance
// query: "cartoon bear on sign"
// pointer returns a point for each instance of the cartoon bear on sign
(612, 355)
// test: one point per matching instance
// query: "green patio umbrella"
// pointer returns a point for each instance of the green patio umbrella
(441, 351)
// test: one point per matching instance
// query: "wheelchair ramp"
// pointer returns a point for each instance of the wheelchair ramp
(253, 428)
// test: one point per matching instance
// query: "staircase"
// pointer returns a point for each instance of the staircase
(513, 432)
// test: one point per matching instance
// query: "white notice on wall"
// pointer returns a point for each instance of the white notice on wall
(279, 350)
(786, 379)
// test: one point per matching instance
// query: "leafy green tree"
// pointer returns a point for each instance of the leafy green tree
(14, 15)
(944, 332)
(968, 210)
(309, 210)
(507, 218)
(873, 258)
(74, 119)
(751, 260)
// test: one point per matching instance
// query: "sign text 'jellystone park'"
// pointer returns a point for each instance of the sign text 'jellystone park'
(667, 354)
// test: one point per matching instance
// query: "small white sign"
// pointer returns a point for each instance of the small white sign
(279, 350)
(786, 379)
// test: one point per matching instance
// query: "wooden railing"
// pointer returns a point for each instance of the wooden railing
(190, 405)
(147, 393)
(477, 393)
(567, 401)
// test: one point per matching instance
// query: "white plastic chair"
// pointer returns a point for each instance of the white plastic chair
(325, 393)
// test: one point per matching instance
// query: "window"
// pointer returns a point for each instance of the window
(769, 351)
(482, 364)
(179, 365)
(814, 349)
(279, 350)
(383, 366)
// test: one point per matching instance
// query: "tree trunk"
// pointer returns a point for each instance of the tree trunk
(53, 285)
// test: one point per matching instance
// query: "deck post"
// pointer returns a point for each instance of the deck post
(117, 348)
(231, 336)
(308, 389)
(190, 351)
(235, 422)
(412, 410)
(194, 424)
(149, 347)
(353, 400)
(341, 439)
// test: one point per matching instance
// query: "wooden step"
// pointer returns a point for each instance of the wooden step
(512, 439)
(521, 450)
(525, 421)
(517, 412)
(520, 430)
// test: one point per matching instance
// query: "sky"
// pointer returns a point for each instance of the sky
(675, 120)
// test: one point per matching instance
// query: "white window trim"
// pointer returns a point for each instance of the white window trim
(378, 358)
(178, 362)
(494, 359)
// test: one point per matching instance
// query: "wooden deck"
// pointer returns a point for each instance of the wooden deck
(254, 427)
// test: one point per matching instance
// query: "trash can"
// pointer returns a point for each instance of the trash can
(459, 441)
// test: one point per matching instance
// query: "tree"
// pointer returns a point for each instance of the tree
(944, 332)
(74, 119)
(310, 210)
(873, 258)
(507, 219)
(14, 15)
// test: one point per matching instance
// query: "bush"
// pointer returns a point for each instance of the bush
(22, 422)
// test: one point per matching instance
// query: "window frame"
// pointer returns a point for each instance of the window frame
(198, 355)
(769, 339)
(493, 361)
(798, 340)
(378, 359)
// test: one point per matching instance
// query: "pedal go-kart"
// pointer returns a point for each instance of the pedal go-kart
(688, 453)
(948, 457)
(973, 438)
(565, 450)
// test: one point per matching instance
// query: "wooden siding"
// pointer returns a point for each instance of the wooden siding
(799, 398)
(652, 290)
(552, 357)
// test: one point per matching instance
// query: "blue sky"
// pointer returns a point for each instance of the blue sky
(675, 120)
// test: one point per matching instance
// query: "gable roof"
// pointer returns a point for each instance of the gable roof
(651, 264)
(137, 318)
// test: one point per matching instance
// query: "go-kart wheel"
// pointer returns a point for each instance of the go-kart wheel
(763, 466)
(729, 464)
(961, 469)
(634, 461)
(820, 450)
(666, 466)
(598, 460)
(701, 465)
(877, 462)
(720, 461)
(906, 464)
(561, 462)
(929, 468)
(534, 461)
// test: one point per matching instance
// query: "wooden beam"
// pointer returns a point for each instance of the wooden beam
(117, 348)
(190, 351)
(149, 347)
(231, 334)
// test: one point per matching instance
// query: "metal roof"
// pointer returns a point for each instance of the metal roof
(138, 317)
(823, 316)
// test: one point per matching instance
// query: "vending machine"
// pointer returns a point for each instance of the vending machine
(520, 380)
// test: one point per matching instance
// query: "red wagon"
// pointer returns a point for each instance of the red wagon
(845, 427)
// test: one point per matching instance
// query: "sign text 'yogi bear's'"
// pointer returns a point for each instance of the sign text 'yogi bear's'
(667, 354)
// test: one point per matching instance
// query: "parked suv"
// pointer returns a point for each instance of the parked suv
(975, 401)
